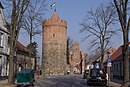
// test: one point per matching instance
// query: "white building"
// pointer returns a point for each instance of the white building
(4, 35)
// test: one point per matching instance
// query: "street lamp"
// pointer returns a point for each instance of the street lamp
(108, 65)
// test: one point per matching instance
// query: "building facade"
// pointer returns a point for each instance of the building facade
(117, 62)
(76, 59)
(54, 45)
(4, 49)
(22, 57)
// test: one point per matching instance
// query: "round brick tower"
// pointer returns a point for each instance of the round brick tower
(54, 45)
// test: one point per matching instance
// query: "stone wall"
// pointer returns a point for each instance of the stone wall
(54, 45)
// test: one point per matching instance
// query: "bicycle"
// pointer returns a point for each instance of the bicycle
(126, 84)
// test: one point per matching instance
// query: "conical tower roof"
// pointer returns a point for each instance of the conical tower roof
(55, 15)
(55, 21)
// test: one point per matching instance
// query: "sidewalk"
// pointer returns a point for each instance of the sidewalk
(113, 84)
(116, 82)
(4, 82)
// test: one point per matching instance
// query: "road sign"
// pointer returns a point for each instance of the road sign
(109, 60)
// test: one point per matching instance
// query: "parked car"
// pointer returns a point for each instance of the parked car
(97, 77)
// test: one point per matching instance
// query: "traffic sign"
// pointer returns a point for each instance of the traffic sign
(109, 62)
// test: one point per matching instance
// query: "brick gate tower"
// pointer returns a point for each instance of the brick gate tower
(54, 45)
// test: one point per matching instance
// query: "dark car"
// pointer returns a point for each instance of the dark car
(97, 77)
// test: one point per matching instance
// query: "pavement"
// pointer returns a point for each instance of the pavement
(4, 82)
(116, 82)
(113, 84)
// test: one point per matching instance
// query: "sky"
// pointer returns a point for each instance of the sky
(73, 11)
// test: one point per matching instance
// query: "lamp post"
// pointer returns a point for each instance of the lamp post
(108, 65)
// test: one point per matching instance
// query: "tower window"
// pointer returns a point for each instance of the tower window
(53, 35)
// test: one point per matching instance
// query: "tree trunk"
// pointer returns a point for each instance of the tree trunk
(11, 64)
(122, 8)
(30, 52)
(102, 56)
(81, 65)
(35, 63)
(11, 69)
(125, 56)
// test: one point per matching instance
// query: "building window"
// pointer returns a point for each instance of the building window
(117, 67)
(8, 41)
(1, 38)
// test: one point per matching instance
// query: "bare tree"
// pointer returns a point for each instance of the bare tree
(124, 19)
(94, 56)
(98, 26)
(17, 9)
(33, 19)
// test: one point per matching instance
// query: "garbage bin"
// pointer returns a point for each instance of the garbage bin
(25, 77)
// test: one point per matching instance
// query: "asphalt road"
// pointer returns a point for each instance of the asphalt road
(63, 81)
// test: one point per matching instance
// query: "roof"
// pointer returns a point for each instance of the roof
(119, 58)
(117, 55)
(21, 46)
(55, 15)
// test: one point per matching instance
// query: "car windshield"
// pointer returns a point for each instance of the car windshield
(97, 72)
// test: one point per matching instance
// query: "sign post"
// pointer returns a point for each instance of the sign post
(109, 66)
